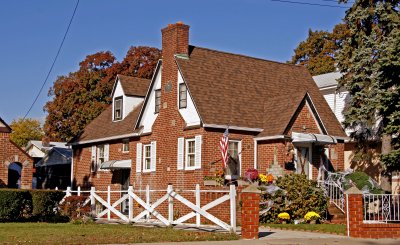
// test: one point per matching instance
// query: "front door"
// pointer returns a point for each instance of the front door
(303, 160)
(125, 176)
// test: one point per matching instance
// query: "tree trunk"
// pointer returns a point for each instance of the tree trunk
(386, 148)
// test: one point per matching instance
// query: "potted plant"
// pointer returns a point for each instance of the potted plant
(312, 217)
(284, 217)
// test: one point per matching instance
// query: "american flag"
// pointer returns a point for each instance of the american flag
(223, 145)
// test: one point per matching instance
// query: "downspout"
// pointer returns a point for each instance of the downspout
(72, 166)
(255, 154)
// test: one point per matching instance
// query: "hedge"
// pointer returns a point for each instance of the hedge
(28, 205)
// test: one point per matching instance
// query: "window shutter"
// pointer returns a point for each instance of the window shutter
(106, 152)
(138, 157)
(181, 143)
(153, 156)
(93, 165)
(197, 158)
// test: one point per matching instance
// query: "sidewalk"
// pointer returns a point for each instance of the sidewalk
(276, 236)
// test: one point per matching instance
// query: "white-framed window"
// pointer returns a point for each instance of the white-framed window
(235, 152)
(190, 153)
(118, 108)
(147, 158)
(125, 145)
(157, 101)
(100, 154)
(182, 96)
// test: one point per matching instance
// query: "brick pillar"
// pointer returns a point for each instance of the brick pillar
(250, 212)
(354, 212)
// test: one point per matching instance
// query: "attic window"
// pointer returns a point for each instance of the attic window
(118, 108)
(157, 101)
(182, 96)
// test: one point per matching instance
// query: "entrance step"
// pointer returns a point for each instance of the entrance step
(335, 215)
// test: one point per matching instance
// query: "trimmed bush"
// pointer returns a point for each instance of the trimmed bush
(362, 181)
(45, 203)
(14, 204)
(28, 205)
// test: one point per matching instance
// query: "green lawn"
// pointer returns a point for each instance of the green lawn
(328, 228)
(67, 233)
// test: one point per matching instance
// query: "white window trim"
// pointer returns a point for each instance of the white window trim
(121, 110)
(145, 170)
(239, 153)
(124, 141)
(186, 154)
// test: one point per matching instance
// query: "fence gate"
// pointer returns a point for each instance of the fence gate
(100, 207)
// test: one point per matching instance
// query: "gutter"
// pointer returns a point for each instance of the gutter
(104, 139)
(221, 126)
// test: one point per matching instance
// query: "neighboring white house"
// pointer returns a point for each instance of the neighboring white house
(327, 84)
(36, 148)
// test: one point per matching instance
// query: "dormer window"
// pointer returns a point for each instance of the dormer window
(157, 100)
(118, 108)
(182, 96)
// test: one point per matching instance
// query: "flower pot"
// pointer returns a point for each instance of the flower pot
(283, 222)
(313, 222)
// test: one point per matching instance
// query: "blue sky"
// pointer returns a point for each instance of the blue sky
(31, 31)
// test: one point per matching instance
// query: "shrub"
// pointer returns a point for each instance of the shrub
(74, 209)
(299, 196)
(45, 203)
(362, 180)
(14, 204)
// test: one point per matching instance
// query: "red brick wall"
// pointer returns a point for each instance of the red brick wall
(304, 121)
(9, 153)
(363, 230)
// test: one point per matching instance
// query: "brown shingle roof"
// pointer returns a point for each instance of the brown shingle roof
(134, 86)
(249, 92)
(103, 126)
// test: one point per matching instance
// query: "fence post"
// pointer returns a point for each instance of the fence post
(197, 194)
(232, 197)
(68, 191)
(109, 201)
(130, 215)
(92, 200)
(170, 205)
(354, 207)
(148, 201)
(79, 190)
(250, 212)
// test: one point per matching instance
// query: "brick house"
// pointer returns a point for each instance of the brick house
(16, 166)
(167, 129)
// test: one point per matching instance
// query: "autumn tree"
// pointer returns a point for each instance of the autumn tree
(318, 51)
(370, 62)
(24, 130)
(81, 96)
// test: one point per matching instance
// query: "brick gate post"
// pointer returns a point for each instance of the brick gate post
(354, 212)
(250, 212)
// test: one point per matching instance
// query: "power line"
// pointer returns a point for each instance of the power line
(312, 4)
(54, 60)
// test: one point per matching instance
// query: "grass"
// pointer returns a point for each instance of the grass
(68, 233)
(327, 228)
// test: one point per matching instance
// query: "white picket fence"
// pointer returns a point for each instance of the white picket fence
(150, 208)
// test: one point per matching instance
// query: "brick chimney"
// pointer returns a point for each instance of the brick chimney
(175, 40)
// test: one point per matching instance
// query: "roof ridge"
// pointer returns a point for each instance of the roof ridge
(247, 56)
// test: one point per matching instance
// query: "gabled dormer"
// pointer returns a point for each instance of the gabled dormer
(128, 92)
